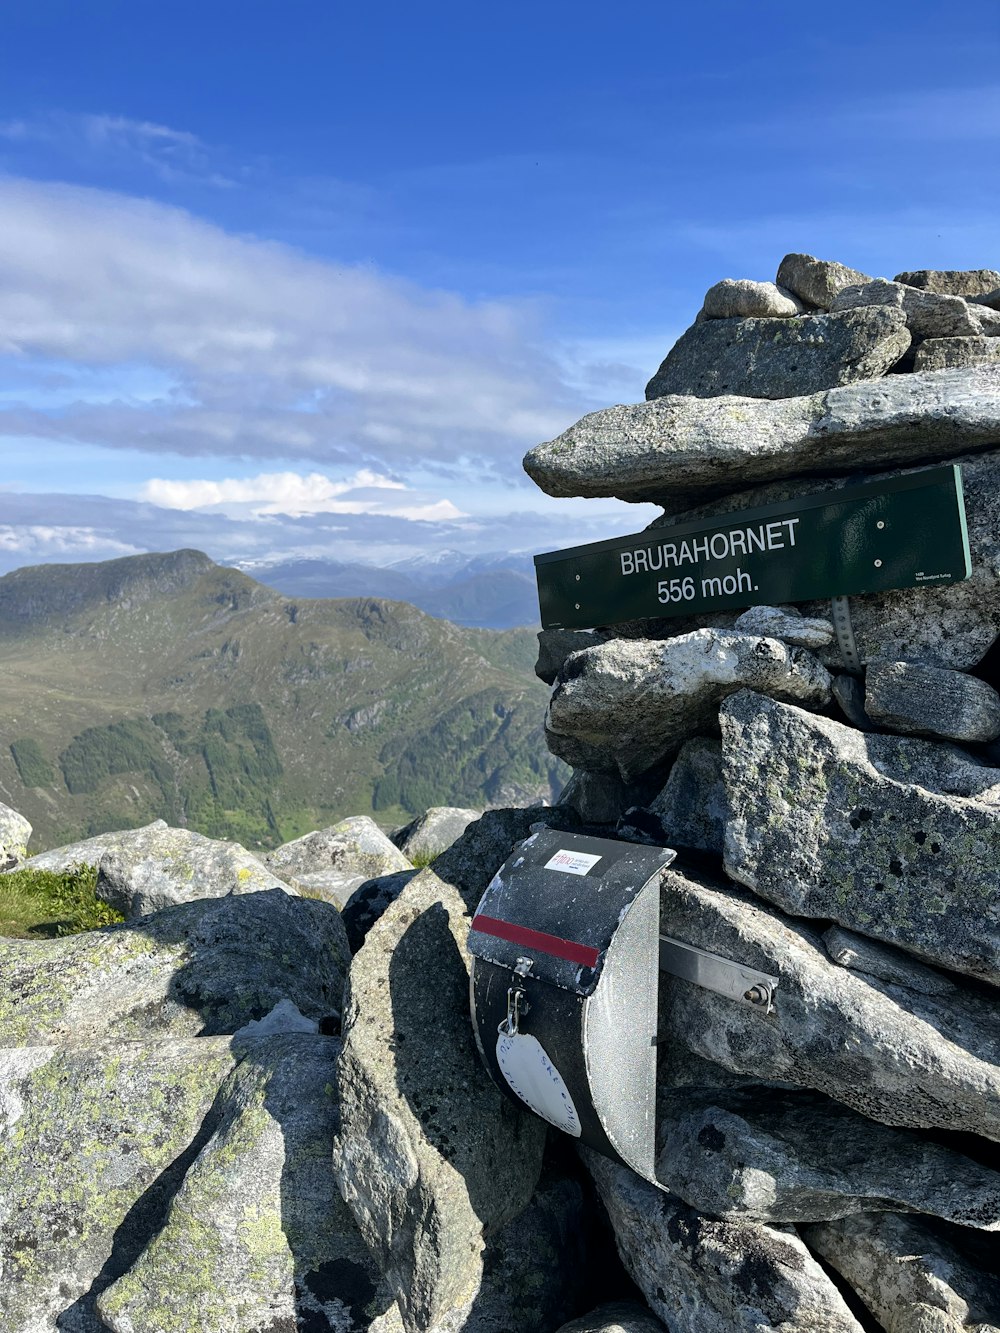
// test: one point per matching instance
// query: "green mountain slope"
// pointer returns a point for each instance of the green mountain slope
(168, 686)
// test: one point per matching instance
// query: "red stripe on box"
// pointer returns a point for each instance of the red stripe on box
(537, 939)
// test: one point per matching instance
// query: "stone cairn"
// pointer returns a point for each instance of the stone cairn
(831, 1165)
(256, 1105)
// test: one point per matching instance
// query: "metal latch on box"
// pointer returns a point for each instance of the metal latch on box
(566, 955)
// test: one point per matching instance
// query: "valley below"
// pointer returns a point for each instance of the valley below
(166, 686)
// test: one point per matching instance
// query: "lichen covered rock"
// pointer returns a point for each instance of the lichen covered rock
(15, 831)
(151, 868)
(895, 837)
(430, 1157)
(203, 968)
(630, 704)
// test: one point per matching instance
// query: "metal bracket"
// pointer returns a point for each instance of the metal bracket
(841, 612)
(734, 980)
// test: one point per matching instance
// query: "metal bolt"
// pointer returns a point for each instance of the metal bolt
(878, 564)
(756, 995)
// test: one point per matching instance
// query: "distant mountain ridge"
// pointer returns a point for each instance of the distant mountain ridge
(165, 685)
(495, 591)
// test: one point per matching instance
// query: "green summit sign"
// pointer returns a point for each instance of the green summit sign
(907, 532)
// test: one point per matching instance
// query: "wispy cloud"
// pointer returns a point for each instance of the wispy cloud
(271, 353)
(171, 155)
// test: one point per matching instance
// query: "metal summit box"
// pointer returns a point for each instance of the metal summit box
(565, 946)
(904, 532)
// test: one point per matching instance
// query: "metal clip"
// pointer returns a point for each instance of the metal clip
(515, 1007)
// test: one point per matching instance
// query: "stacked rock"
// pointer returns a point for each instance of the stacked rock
(830, 1165)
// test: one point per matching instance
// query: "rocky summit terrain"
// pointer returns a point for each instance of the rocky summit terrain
(255, 1103)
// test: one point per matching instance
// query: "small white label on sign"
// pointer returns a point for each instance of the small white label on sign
(536, 1080)
(572, 863)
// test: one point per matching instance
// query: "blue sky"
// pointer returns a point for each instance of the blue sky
(309, 278)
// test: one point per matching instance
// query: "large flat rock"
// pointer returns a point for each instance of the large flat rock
(784, 358)
(629, 704)
(257, 1234)
(150, 868)
(970, 282)
(95, 1139)
(702, 1275)
(679, 451)
(202, 968)
(898, 1051)
(793, 1157)
(891, 836)
(430, 1158)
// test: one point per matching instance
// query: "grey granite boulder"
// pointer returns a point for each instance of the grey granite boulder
(427, 837)
(367, 903)
(782, 1157)
(355, 846)
(970, 283)
(849, 696)
(681, 451)
(533, 1270)
(430, 1158)
(786, 623)
(816, 281)
(692, 807)
(156, 867)
(891, 836)
(470, 863)
(630, 704)
(950, 626)
(927, 314)
(782, 358)
(328, 885)
(931, 701)
(897, 1052)
(15, 831)
(257, 1235)
(701, 1275)
(88, 851)
(203, 968)
(95, 1140)
(915, 1278)
(555, 645)
(739, 298)
(615, 1317)
(847, 949)
(597, 798)
(947, 353)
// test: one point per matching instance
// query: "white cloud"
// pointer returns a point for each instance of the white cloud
(272, 353)
(43, 541)
(294, 495)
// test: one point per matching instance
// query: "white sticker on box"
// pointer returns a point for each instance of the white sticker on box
(536, 1080)
(572, 863)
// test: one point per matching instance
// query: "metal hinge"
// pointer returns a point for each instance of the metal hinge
(734, 980)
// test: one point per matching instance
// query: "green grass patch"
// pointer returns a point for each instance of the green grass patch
(49, 903)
